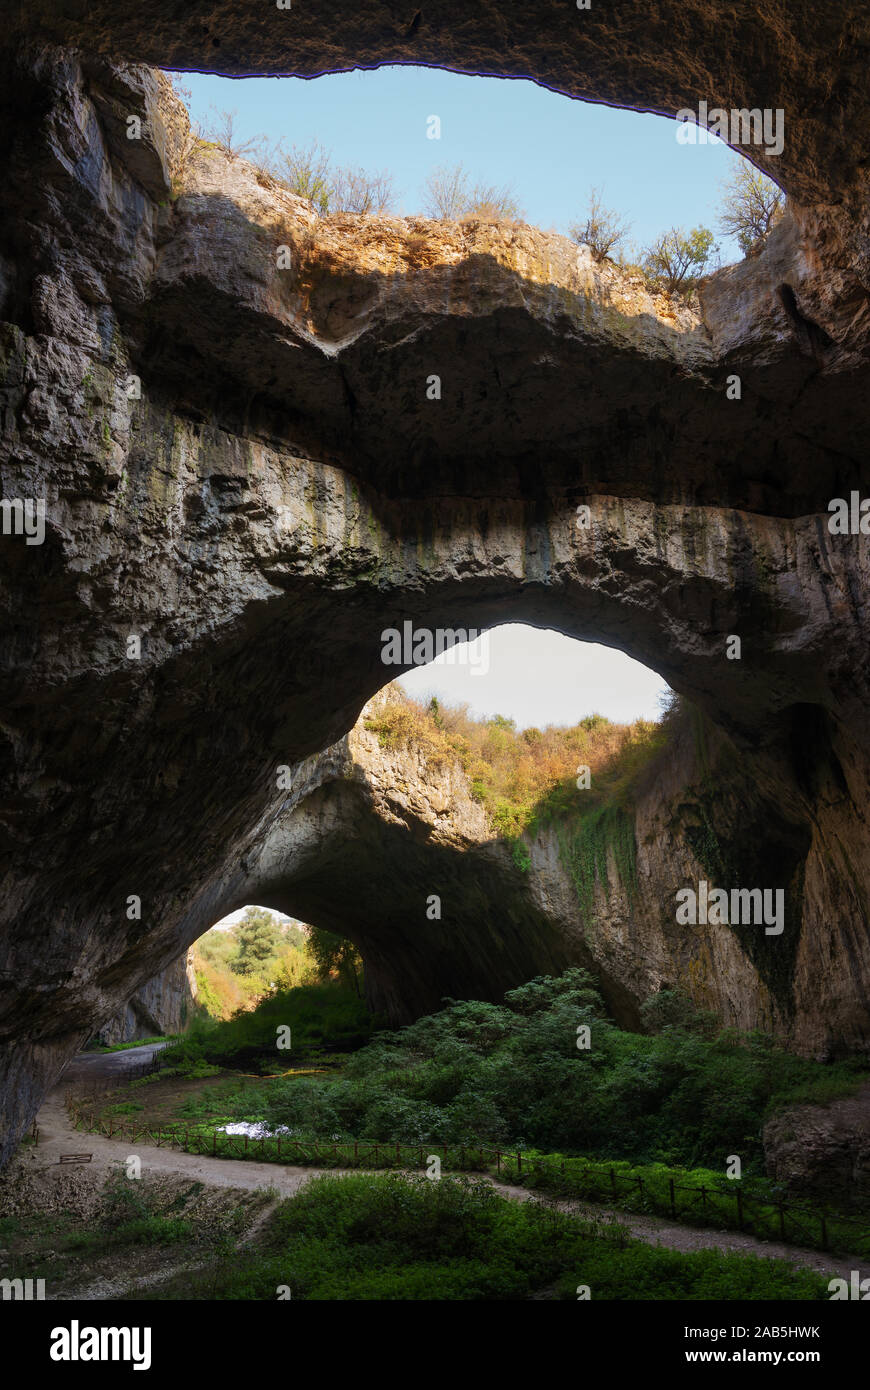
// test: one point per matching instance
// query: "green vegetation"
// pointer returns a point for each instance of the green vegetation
(409, 1238)
(334, 956)
(123, 1046)
(677, 259)
(258, 939)
(513, 1076)
(327, 1017)
(751, 205)
(529, 780)
(237, 967)
(693, 1196)
(673, 262)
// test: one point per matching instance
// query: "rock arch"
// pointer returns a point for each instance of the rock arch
(258, 522)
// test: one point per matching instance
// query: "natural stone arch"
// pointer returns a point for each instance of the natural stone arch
(255, 567)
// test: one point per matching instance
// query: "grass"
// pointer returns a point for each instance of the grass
(320, 1018)
(136, 1042)
(408, 1239)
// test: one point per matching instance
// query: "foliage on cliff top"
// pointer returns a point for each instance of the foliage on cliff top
(526, 777)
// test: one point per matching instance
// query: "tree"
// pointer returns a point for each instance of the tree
(450, 196)
(603, 231)
(307, 172)
(751, 204)
(258, 938)
(356, 191)
(677, 258)
(447, 192)
(221, 131)
(492, 204)
(334, 955)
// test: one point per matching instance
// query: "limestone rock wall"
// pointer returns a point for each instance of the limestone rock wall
(163, 1005)
(241, 471)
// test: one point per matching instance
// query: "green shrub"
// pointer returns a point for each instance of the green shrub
(400, 1239)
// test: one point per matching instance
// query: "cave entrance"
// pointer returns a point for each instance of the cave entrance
(410, 841)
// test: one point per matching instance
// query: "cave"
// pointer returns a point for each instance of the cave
(254, 521)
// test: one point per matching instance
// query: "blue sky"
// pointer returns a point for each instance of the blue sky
(550, 148)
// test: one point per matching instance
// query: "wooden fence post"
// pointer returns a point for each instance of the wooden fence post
(673, 1198)
(613, 1181)
(782, 1220)
(519, 1165)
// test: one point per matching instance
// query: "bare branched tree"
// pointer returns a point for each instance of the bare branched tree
(491, 204)
(307, 172)
(751, 204)
(354, 190)
(447, 193)
(222, 131)
(604, 230)
(450, 196)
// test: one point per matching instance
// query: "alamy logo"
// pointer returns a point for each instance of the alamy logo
(741, 907)
(75, 1343)
(739, 126)
(857, 1288)
(23, 1289)
(418, 646)
(23, 516)
(849, 518)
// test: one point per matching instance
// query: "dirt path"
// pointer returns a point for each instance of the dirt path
(57, 1135)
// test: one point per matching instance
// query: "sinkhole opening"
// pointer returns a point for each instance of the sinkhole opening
(669, 201)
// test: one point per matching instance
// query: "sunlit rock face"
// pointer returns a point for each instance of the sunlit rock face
(242, 469)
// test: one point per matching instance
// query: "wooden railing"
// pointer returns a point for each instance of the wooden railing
(737, 1205)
